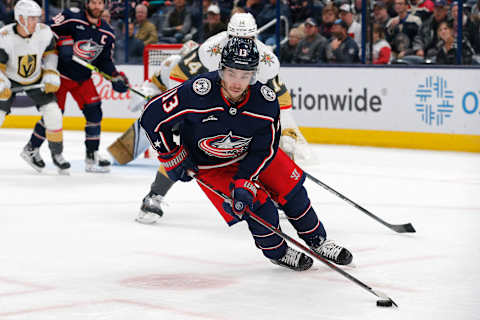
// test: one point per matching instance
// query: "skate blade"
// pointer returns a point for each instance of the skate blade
(147, 218)
(27, 160)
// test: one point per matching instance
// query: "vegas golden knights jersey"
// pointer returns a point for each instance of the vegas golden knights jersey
(21, 58)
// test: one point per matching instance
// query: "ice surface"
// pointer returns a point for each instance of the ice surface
(70, 249)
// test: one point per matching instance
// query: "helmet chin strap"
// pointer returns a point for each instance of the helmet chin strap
(24, 25)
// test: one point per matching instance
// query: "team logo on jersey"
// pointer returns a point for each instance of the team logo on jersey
(267, 59)
(202, 86)
(224, 146)
(214, 50)
(268, 93)
(27, 65)
(87, 50)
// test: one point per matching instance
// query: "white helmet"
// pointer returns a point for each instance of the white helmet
(242, 25)
(26, 8)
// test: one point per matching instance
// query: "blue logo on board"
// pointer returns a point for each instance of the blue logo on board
(434, 101)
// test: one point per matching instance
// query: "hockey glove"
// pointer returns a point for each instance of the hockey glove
(65, 48)
(51, 80)
(243, 194)
(119, 81)
(5, 92)
(178, 164)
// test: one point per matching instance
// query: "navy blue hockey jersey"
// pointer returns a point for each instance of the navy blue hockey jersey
(93, 42)
(215, 132)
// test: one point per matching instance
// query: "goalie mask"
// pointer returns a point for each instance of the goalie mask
(242, 54)
(26, 8)
(242, 25)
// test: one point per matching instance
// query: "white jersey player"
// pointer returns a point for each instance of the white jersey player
(28, 60)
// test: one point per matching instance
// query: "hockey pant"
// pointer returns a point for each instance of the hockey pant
(281, 183)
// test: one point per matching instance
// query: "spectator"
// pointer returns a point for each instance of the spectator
(312, 48)
(405, 24)
(107, 16)
(6, 11)
(135, 47)
(269, 13)
(251, 6)
(380, 14)
(287, 51)
(329, 15)
(213, 24)
(177, 24)
(426, 40)
(146, 31)
(447, 46)
(454, 16)
(382, 51)
(342, 48)
(421, 8)
(475, 13)
(200, 15)
(472, 32)
(301, 10)
(354, 28)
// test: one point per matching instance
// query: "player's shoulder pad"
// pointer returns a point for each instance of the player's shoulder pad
(210, 52)
(45, 32)
(268, 66)
(107, 27)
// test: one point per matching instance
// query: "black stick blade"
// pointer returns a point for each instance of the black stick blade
(403, 228)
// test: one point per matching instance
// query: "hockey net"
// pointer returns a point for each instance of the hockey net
(155, 54)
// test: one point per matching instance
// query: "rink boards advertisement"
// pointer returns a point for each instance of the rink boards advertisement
(397, 107)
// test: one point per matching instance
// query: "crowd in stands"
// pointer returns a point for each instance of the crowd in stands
(400, 31)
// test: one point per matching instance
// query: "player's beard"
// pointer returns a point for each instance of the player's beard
(94, 14)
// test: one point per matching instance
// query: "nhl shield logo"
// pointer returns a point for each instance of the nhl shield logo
(27, 65)
(268, 93)
(202, 86)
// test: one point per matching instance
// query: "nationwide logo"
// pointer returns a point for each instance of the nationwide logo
(434, 101)
(224, 146)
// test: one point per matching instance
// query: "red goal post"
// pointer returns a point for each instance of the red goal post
(155, 54)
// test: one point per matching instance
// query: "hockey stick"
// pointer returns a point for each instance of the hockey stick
(106, 76)
(307, 250)
(27, 88)
(400, 228)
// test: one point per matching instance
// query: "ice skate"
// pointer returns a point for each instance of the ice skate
(151, 209)
(330, 251)
(294, 260)
(32, 157)
(61, 164)
(95, 163)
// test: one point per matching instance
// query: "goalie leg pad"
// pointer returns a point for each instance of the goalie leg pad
(93, 115)
(130, 145)
(2, 117)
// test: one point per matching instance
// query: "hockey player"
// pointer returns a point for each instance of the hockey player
(28, 57)
(207, 58)
(90, 38)
(228, 128)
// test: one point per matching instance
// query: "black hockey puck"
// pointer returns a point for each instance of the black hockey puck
(384, 303)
